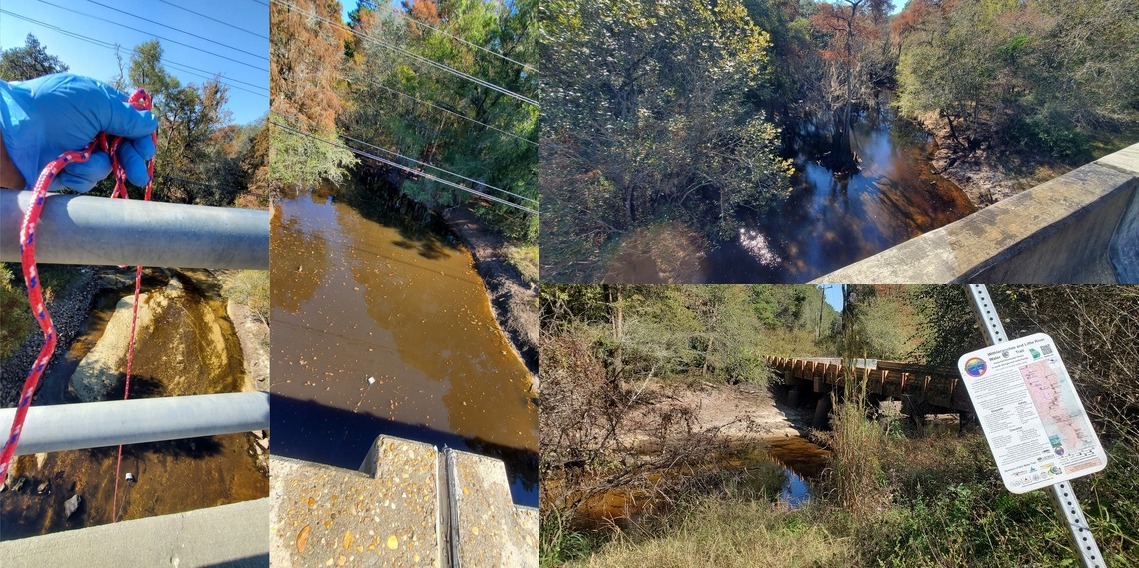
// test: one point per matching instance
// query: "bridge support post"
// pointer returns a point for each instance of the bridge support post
(914, 410)
(795, 395)
(874, 401)
(964, 419)
(823, 408)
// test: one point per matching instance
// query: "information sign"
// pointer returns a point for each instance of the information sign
(1035, 424)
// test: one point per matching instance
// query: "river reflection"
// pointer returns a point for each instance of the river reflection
(780, 468)
(359, 292)
(830, 222)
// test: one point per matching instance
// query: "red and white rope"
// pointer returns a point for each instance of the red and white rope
(140, 100)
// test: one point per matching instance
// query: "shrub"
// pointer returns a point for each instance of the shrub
(15, 316)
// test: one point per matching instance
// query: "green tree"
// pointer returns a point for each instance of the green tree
(645, 117)
(191, 164)
(28, 62)
(1045, 76)
(436, 117)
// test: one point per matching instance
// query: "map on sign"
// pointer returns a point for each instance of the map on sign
(1033, 419)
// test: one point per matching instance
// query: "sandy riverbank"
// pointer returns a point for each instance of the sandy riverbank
(981, 180)
(733, 413)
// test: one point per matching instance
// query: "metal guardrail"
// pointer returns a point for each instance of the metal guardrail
(79, 229)
(80, 426)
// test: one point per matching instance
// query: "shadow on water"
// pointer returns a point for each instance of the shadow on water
(382, 325)
(421, 228)
(310, 431)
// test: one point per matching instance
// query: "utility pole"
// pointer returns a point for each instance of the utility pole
(822, 306)
(1062, 494)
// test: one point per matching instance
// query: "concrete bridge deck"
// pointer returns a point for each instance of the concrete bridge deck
(922, 390)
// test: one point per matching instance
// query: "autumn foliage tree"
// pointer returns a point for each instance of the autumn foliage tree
(305, 54)
(858, 64)
(1047, 77)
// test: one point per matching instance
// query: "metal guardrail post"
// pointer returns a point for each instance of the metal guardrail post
(80, 426)
(79, 229)
(1062, 493)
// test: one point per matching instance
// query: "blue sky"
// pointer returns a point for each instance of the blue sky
(348, 5)
(833, 295)
(246, 70)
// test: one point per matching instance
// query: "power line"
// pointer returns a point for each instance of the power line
(382, 149)
(462, 116)
(476, 46)
(406, 168)
(417, 57)
(155, 36)
(207, 75)
(259, 56)
(397, 154)
(112, 46)
(215, 20)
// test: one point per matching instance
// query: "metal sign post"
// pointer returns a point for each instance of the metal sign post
(1062, 493)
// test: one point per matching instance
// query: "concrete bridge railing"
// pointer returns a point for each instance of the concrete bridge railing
(1082, 227)
(922, 390)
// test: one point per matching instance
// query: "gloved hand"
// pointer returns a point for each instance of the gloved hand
(44, 117)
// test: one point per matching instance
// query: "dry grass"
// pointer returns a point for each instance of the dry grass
(726, 532)
(525, 259)
(857, 445)
(249, 288)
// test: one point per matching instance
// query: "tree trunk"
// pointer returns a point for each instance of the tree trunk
(616, 310)
(952, 129)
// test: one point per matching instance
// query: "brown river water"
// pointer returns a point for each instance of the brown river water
(191, 349)
(367, 286)
(828, 222)
(781, 468)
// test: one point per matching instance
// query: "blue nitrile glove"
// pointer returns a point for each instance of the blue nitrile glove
(44, 117)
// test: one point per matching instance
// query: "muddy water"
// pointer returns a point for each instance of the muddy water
(191, 349)
(362, 290)
(782, 468)
(827, 223)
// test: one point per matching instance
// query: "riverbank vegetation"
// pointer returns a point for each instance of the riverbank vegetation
(658, 112)
(433, 98)
(895, 492)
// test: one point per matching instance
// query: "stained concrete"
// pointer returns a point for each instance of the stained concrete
(230, 535)
(487, 529)
(1071, 229)
(1124, 252)
(384, 515)
(408, 505)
